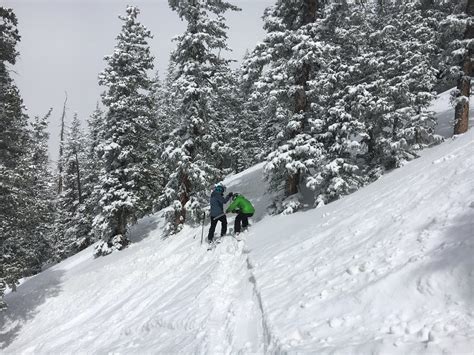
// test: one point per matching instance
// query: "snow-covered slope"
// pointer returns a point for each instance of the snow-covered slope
(388, 269)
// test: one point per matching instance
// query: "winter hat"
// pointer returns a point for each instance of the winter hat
(219, 187)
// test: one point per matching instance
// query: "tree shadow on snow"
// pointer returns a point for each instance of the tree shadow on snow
(452, 263)
(23, 304)
(144, 228)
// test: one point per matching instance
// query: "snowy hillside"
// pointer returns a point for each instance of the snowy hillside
(388, 269)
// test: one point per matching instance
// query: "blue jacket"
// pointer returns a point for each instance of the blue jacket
(217, 203)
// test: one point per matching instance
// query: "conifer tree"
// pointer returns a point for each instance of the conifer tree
(197, 68)
(125, 182)
(42, 190)
(71, 199)
(163, 112)
(374, 117)
(14, 159)
(249, 137)
(91, 167)
(226, 123)
(291, 53)
(344, 88)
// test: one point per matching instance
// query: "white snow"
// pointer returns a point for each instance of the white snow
(388, 269)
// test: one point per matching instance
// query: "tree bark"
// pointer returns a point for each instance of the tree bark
(310, 11)
(461, 111)
(122, 223)
(183, 199)
(292, 184)
(121, 229)
(301, 100)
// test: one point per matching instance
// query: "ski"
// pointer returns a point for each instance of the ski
(230, 236)
(213, 244)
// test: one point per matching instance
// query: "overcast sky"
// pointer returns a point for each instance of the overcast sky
(64, 41)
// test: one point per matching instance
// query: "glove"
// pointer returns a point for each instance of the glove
(230, 194)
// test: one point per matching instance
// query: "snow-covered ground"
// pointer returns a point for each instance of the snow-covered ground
(388, 269)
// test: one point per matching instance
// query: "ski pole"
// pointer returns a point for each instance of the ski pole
(202, 231)
(219, 216)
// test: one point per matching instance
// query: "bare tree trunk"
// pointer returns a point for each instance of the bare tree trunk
(461, 111)
(311, 9)
(122, 223)
(121, 229)
(301, 100)
(61, 147)
(183, 199)
(292, 184)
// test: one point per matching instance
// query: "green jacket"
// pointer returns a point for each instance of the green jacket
(242, 204)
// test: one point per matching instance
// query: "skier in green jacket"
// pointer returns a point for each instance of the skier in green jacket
(244, 210)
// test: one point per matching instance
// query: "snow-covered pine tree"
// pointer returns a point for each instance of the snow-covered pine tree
(197, 63)
(361, 107)
(292, 52)
(14, 160)
(226, 122)
(375, 116)
(91, 166)
(336, 131)
(125, 182)
(262, 76)
(71, 199)
(42, 189)
(248, 137)
(79, 235)
(163, 112)
(166, 117)
(452, 26)
(406, 41)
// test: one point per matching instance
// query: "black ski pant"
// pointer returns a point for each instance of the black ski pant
(214, 220)
(241, 221)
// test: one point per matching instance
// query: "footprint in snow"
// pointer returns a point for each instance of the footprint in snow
(335, 322)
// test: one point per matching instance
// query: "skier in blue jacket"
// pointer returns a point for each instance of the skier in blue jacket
(217, 201)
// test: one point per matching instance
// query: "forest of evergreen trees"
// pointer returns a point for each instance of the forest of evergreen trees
(335, 95)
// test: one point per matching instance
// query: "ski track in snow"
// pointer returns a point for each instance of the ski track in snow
(388, 269)
(235, 321)
(212, 311)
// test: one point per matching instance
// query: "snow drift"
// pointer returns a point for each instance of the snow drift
(388, 269)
